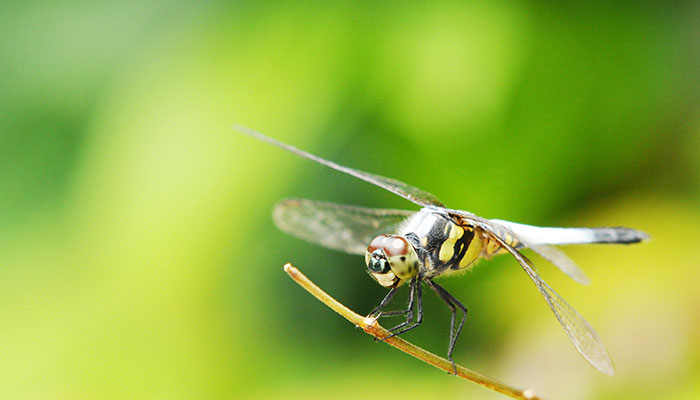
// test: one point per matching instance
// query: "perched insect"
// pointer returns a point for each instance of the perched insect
(417, 247)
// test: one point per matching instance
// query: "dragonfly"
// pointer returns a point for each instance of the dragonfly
(413, 248)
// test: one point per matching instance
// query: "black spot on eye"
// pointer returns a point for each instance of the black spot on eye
(403, 258)
(385, 266)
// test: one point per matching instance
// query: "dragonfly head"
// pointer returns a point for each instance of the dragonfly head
(391, 260)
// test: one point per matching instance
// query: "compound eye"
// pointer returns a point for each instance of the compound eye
(396, 246)
(391, 259)
(376, 257)
(377, 263)
(377, 243)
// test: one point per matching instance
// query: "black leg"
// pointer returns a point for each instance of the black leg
(451, 302)
(378, 310)
(415, 300)
(409, 307)
(407, 325)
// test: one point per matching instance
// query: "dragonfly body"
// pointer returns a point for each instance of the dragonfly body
(443, 244)
(417, 247)
(446, 243)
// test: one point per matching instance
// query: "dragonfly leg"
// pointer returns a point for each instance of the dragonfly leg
(378, 310)
(409, 306)
(415, 300)
(453, 303)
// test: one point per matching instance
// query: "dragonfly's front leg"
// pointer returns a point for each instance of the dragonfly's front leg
(415, 301)
(417, 295)
(377, 312)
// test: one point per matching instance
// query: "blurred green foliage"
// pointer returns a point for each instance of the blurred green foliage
(138, 255)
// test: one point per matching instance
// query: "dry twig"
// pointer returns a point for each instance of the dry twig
(370, 326)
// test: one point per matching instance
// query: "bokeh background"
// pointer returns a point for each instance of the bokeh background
(138, 258)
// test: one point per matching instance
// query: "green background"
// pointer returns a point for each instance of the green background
(138, 258)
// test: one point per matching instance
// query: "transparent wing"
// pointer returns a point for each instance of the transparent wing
(540, 239)
(560, 260)
(519, 237)
(336, 226)
(404, 190)
(579, 331)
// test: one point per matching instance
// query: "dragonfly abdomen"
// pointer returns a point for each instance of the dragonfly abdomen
(492, 247)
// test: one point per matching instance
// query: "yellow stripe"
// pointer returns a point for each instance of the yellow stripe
(472, 253)
(447, 249)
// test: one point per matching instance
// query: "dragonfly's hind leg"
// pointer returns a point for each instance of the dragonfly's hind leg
(453, 303)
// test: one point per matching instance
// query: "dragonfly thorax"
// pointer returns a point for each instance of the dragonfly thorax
(444, 243)
(391, 260)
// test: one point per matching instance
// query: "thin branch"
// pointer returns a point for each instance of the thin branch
(370, 326)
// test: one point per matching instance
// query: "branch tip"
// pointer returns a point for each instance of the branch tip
(289, 268)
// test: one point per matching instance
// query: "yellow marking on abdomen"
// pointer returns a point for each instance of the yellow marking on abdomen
(493, 247)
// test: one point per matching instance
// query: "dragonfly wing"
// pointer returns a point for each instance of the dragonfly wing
(336, 226)
(408, 192)
(561, 261)
(528, 237)
(579, 331)
(541, 239)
